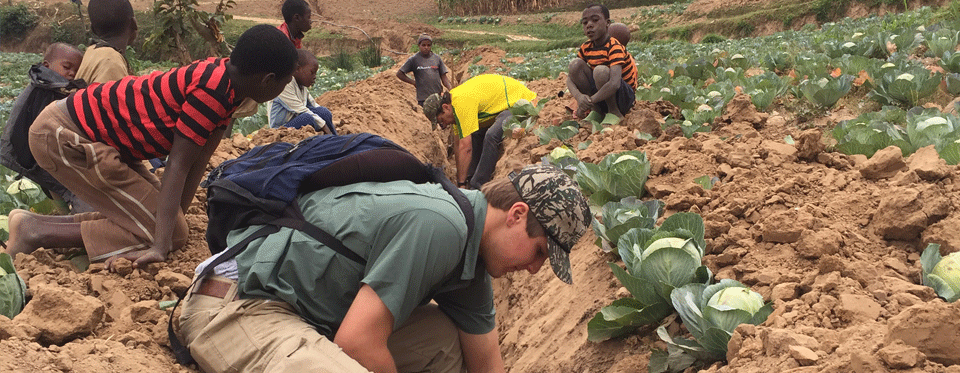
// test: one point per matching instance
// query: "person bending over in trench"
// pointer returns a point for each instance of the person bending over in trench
(477, 109)
(291, 304)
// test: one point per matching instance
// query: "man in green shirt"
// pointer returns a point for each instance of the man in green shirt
(289, 303)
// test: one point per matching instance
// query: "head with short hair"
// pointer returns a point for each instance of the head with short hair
(263, 62)
(306, 72)
(63, 59)
(264, 49)
(595, 22)
(555, 201)
(111, 18)
(603, 9)
(292, 8)
(296, 14)
(501, 194)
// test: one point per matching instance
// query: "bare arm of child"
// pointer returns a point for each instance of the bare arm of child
(199, 168)
(405, 78)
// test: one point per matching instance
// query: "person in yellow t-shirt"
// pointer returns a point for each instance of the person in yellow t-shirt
(477, 110)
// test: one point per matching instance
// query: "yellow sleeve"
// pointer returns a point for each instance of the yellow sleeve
(101, 65)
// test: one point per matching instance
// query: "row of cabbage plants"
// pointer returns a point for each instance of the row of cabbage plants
(663, 268)
(880, 56)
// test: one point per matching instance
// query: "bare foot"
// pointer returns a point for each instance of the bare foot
(22, 237)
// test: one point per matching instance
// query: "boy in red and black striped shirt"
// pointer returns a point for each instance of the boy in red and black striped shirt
(95, 140)
(603, 77)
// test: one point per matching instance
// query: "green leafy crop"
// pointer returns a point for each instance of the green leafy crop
(941, 273)
(905, 86)
(13, 291)
(618, 175)
(658, 260)
(710, 313)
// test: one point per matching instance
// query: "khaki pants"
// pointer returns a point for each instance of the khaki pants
(256, 335)
(123, 192)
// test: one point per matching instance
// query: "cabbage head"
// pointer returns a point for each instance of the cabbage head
(941, 273)
(710, 313)
(26, 191)
(657, 260)
(617, 176)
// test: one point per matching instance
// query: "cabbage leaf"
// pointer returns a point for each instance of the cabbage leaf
(13, 291)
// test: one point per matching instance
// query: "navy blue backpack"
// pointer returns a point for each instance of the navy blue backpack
(260, 188)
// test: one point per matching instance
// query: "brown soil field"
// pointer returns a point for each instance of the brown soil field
(832, 240)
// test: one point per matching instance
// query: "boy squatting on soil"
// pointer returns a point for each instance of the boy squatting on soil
(94, 142)
(295, 106)
(477, 109)
(428, 69)
(592, 78)
(327, 313)
(49, 81)
(113, 23)
(296, 20)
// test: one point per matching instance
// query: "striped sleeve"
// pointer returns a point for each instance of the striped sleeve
(140, 116)
(204, 108)
(612, 53)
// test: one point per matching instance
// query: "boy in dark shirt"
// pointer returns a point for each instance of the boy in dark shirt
(603, 77)
(428, 70)
(95, 141)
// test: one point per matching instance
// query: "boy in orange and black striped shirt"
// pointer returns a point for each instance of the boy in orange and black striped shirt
(603, 77)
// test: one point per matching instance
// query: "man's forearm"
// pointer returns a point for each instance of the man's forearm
(463, 154)
(481, 352)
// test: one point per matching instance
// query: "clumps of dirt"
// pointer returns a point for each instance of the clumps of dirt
(835, 250)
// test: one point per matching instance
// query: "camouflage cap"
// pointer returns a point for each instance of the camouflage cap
(431, 106)
(557, 203)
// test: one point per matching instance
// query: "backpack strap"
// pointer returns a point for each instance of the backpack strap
(458, 196)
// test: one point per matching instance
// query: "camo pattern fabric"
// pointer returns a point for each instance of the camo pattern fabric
(559, 206)
(431, 107)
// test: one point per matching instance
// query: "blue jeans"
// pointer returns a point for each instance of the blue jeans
(305, 119)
